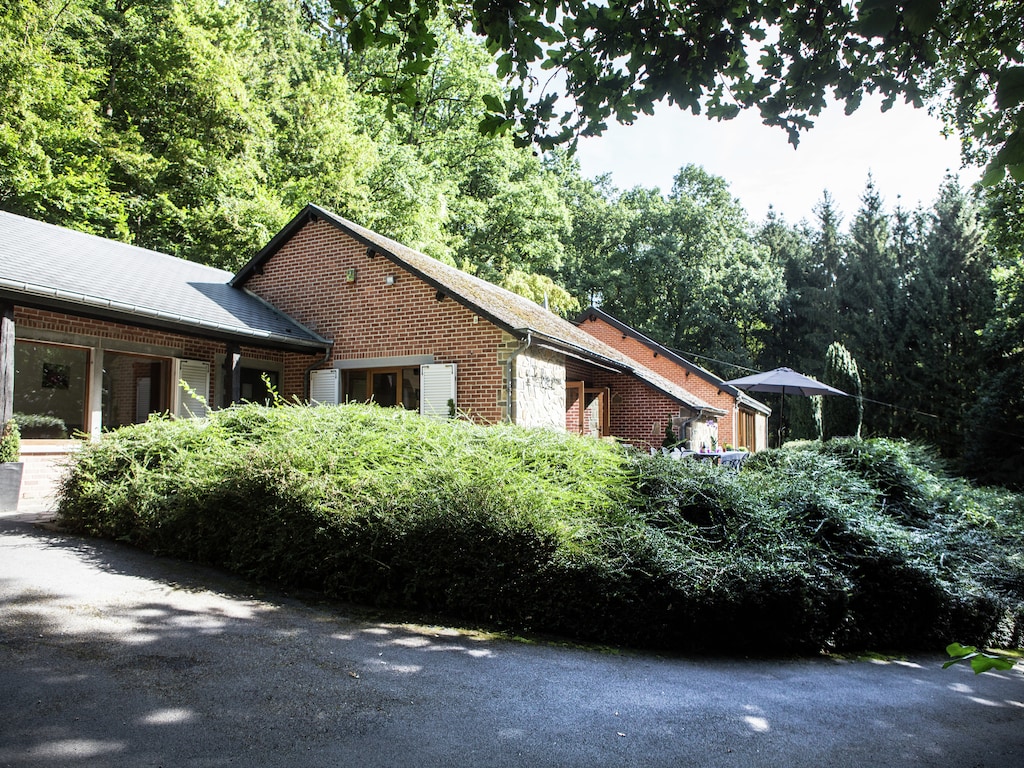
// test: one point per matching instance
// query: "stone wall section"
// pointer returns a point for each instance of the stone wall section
(539, 389)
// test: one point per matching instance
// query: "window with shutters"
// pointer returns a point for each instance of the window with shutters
(438, 390)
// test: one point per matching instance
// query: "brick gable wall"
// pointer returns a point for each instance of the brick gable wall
(366, 318)
(691, 382)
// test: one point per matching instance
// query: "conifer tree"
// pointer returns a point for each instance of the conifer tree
(866, 287)
(950, 297)
(841, 416)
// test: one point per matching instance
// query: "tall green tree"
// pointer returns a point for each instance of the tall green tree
(199, 128)
(475, 200)
(688, 272)
(174, 87)
(794, 336)
(596, 227)
(994, 438)
(867, 295)
(841, 416)
(55, 152)
(950, 299)
(807, 319)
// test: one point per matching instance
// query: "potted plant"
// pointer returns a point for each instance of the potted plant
(10, 468)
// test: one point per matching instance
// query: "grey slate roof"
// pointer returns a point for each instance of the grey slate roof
(52, 267)
(674, 356)
(509, 311)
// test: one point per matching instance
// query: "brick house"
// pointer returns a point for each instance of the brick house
(745, 420)
(95, 334)
(410, 330)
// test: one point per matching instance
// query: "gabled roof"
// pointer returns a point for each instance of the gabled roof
(675, 357)
(513, 313)
(51, 267)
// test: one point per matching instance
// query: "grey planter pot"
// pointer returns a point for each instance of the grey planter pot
(10, 485)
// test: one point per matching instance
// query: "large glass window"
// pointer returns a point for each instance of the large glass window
(134, 386)
(389, 387)
(51, 385)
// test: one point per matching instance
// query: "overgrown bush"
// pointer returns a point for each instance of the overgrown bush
(847, 544)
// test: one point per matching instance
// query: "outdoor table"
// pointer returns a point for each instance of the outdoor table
(733, 459)
(713, 457)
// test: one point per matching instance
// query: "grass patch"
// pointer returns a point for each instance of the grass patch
(846, 545)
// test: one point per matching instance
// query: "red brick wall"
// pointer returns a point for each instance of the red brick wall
(572, 409)
(691, 382)
(366, 318)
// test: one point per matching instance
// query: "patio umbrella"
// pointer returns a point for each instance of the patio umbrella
(784, 381)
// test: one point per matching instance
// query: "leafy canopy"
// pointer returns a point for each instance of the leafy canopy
(618, 58)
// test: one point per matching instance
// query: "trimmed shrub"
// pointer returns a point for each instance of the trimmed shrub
(847, 544)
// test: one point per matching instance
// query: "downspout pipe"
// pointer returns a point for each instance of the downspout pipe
(305, 374)
(510, 365)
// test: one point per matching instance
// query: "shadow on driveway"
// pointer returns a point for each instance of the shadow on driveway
(112, 657)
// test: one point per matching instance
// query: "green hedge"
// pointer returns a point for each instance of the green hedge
(849, 544)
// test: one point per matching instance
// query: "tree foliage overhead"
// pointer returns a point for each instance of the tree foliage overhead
(615, 59)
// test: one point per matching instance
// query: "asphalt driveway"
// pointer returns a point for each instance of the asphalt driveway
(111, 657)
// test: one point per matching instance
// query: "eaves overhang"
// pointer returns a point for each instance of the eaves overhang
(99, 308)
(661, 349)
(619, 366)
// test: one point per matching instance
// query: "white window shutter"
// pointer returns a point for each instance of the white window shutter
(193, 401)
(323, 386)
(437, 388)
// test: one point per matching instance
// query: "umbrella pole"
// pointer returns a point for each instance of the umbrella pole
(781, 420)
(782, 417)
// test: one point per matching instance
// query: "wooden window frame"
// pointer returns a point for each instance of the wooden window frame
(399, 372)
(747, 437)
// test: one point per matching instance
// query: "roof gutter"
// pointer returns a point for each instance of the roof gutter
(50, 299)
(510, 364)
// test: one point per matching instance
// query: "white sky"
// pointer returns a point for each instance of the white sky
(903, 149)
